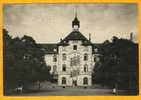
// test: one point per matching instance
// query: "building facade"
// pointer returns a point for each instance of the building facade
(72, 60)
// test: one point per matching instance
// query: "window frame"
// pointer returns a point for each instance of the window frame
(54, 68)
(74, 47)
(85, 68)
(64, 56)
(54, 58)
(85, 57)
(85, 81)
(64, 80)
(64, 68)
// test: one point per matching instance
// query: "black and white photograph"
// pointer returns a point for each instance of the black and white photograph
(83, 49)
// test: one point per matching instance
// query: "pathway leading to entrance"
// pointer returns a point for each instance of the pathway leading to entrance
(69, 92)
(54, 90)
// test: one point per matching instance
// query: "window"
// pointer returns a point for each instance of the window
(94, 59)
(85, 68)
(75, 47)
(63, 80)
(96, 50)
(49, 67)
(54, 58)
(64, 56)
(54, 68)
(85, 81)
(64, 67)
(85, 57)
(54, 50)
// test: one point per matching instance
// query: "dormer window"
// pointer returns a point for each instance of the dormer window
(96, 50)
(75, 47)
(54, 50)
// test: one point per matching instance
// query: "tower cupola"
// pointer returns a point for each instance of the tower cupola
(76, 23)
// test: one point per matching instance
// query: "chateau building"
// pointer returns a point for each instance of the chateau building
(72, 60)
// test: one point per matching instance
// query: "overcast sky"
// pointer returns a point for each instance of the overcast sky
(47, 23)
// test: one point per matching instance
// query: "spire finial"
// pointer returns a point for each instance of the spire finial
(75, 11)
(75, 22)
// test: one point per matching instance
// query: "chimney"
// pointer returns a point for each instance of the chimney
(131, 36)
(60, 39)
(89, 36)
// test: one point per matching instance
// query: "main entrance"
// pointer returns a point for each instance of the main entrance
(74, 83)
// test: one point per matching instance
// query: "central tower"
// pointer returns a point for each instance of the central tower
(76, 23)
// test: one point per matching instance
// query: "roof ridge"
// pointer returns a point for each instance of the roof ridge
(75, 35)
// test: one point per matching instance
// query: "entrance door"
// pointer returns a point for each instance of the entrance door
(74, 83)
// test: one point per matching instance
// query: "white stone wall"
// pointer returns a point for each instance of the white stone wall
(68, 80)
(49, 61)
(79, 79)
(68, 50)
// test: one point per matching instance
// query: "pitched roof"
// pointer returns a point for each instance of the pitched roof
(53, 48)
(49, 48)
(75, 35)
(97, 45)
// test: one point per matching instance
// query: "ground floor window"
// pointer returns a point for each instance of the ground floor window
(85, 81)
(63, 80)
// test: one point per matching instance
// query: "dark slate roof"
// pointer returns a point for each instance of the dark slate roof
(76, 22)
(75, 35)
(97, 45)
(49, 48)
(76, 19)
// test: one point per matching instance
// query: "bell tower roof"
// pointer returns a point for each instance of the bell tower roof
(76, 22)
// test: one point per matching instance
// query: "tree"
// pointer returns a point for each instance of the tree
(32, 67)
(119, 64)
(7, 69)
(24, 61)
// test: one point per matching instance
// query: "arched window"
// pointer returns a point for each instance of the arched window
(63, 80)
(85, 80)
(85, 68)
(64, 57)
(64, 67)
(85, 57)
(96, 59)
(49, 67)
(54, 58)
